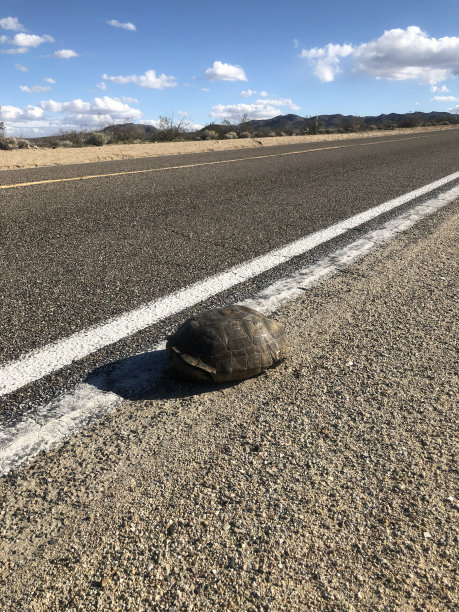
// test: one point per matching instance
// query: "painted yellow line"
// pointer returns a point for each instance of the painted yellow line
(210, 163)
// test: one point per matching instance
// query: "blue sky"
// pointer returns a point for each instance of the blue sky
(72, 65)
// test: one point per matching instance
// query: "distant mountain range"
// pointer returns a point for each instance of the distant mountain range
(296, 123)
(287, 124)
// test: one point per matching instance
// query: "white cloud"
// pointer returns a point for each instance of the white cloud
(187, 125)
(263, 94)
(21, 67)
(260, 109)
(126, 99)
(225, 72)
(99, 106)
(247, 93)
(182, 113)
(153, 122)
(126, 26)
(442, 88)
(30, 40)
(12, 113)
(48, 80)
(34, 89)
(454, 109)
(75, 106)
(445, 99)
(234, 112)
(15, 51)
(326, 60)
(65, 53)
(409, 54)
(3, 39)
(102, 85)
(287, 102)
(206, 89)
(51, 116)
(396, 55)
(148, 79)
(11, 23)
(296, 43)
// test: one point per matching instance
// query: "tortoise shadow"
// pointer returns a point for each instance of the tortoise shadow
(147, 376)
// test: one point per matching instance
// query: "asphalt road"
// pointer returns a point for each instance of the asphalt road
(74, 253)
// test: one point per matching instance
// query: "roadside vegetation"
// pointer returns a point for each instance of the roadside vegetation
(170, 130)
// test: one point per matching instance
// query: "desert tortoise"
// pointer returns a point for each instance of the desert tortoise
(226, 344)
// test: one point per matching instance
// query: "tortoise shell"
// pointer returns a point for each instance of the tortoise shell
(226, 344)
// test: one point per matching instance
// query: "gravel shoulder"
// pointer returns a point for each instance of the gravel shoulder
(328, 483)
(34, 158)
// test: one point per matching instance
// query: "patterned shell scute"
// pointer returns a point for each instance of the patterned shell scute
(226, 344)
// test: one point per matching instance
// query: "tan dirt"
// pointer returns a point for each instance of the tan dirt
(32, 158)
(328, 483)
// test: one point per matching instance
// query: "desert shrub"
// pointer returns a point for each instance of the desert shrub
(312, 125)
(169, 129)
(76, 138)
(411, 120)
(245, 127)
(8, 143)
(22, 143)
(231, 135)
(262, 132)
(120, 133)
(210, 135)
(372, 127)
(97, 139)
(65, 143)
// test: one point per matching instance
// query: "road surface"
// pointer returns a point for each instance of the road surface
(84, 243)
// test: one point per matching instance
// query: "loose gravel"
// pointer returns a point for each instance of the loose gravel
(328, 483)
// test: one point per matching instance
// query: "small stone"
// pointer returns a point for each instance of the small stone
(427, 535)
(171, 530)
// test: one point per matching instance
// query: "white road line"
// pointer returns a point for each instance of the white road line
(51, 424)
(54, 356)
